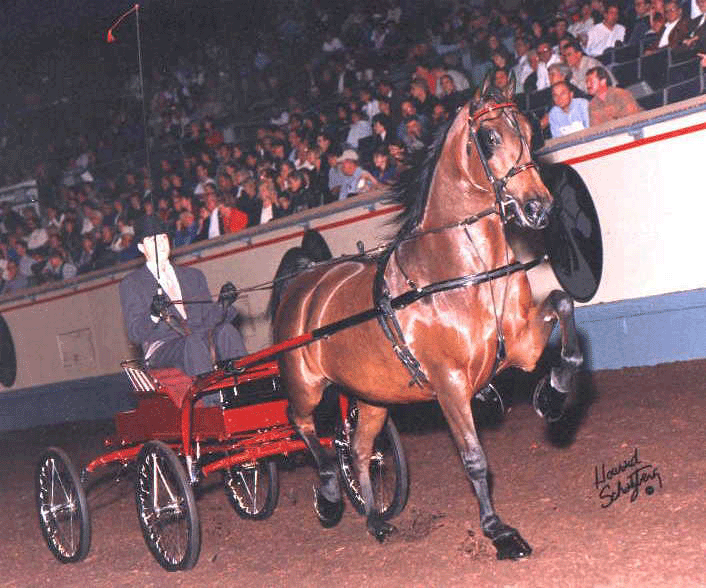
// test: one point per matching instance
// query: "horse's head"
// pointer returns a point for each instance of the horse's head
(498, 140)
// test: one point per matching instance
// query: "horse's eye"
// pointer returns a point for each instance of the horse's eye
(489, 139)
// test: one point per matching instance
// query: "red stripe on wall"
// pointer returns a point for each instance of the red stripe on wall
(636, 143)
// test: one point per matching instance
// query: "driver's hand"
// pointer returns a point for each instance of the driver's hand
(160, 303)
(228, 294)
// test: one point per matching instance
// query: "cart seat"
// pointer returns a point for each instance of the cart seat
(171, 382)
(174, 383)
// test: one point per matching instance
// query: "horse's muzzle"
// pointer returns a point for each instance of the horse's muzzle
(536, 213)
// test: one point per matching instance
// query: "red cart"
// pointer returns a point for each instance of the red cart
(173, 442)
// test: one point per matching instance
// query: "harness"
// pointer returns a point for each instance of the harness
(385, 305)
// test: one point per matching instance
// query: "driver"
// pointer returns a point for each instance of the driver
(178, 335)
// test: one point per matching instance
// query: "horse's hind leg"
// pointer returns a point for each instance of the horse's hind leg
(371, 420)
(328, 501)
(507, 541)
(554, 395)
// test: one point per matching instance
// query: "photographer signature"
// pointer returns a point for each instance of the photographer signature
(626, 478)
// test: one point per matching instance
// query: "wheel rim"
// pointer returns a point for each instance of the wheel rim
(249, 486)
(163, 509)
(383, 470)
(59, 508)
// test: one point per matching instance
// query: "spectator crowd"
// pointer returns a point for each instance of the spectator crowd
(345, 99)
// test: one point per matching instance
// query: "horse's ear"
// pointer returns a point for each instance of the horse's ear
(487, 83)
(509, 90)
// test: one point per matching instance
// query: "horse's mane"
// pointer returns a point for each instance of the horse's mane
(412, 189)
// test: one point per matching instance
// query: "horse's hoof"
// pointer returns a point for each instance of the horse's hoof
(548, 402)
(512, 546)
(380, 529)
(329, 512)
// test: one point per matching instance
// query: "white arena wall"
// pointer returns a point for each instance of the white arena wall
(643, 173)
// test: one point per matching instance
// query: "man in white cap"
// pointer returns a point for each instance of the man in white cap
(355, 178)
(191, 337)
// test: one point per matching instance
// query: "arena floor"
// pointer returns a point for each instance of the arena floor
(653, 536)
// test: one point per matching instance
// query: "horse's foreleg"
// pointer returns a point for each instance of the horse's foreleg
(554, 395)
(507, 541)
(328, 501)
(371, 420)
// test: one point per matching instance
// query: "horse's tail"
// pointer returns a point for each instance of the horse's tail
(294, 261)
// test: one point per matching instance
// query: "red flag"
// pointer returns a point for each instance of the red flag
(109, 37)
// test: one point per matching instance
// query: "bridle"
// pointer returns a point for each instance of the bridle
(504, 201)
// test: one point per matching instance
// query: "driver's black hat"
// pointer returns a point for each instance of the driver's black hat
(148, 226)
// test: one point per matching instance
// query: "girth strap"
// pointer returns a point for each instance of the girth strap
(387, 319)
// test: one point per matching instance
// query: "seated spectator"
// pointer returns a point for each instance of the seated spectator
(696, 39)
(605, 34)
(522, 68)
(37, 237)
(219, 219)
(202, 179)
(24, 261)
(438, 117)
(501, 79)
(546, 57)
(416, 139)
(608, 103)
(267, 196)
(424, 99)
(359, 129)
(187, 229)
(383, 170)
(87, 257)
(382, 129)
(641, 25)
(584, 22)
(14, 280)
(105, 256)
(460, 81)
(452, 97)
(298, 193)
(369, 105)
(579, 64)
(530, 84)
(674, 31)
(57, 268)
(569, 114)
(71, 236)
(355, 178)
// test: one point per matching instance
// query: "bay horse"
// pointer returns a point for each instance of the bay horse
(478, 318)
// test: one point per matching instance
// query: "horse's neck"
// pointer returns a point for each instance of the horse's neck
(455, 252)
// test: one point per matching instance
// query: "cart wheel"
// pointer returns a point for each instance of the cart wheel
(63, 508)
(253, 490)
(166, 508)
(388, 467)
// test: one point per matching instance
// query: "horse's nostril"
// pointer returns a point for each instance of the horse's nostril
(533, 209)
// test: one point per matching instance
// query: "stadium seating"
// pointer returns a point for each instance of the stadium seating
(627, 73)
(683, 90)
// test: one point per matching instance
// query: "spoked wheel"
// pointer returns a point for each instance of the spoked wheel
(388, 468)
(253, 490)
(63, 508)
(166, 508)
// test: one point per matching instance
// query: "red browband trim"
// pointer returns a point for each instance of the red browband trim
(491, 107)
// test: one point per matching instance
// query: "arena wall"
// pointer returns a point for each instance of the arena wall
(642, 172)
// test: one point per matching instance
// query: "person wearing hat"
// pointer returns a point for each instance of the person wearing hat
(176, 334)
(354, 179)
